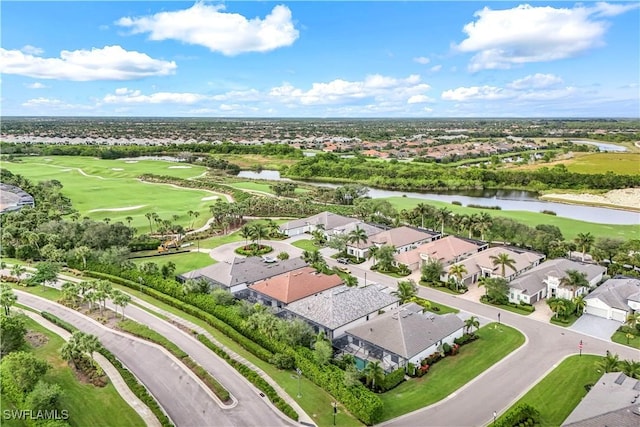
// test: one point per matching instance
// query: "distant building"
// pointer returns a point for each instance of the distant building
(323, 221)
(14, 198)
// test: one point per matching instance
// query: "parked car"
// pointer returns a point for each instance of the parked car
(269, 259)
(344, 270)
(343, 260)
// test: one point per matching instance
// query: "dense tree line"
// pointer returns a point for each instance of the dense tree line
(407, 176)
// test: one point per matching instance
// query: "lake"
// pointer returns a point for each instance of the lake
(508, 200)
(602, 146)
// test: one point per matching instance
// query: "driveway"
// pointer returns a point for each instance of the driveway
(226, 253)
(595, 326)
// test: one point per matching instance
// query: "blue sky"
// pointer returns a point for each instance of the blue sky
(320, 59)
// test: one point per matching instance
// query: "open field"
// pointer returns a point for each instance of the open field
(259, 187)
(87, 405)
(452, 372)
(619, 163)
(557, 394)
(569, 227)
(98, 191)
(184, 261)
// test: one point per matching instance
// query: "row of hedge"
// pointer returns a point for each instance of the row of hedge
(132, 382)
(254, 377)
(522, 415)
(358, 400)
(146, 333)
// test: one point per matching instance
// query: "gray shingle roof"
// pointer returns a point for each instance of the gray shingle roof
(406, 332)
(616, 292)
(328, 220)
(244, 270)
(341, 305)
(531, 282)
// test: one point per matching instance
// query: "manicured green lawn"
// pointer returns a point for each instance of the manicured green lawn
(184, 262)
(516, 310)
(569, 227)
(570, 320)
(621, 338)
(260, 187)
(452, 372)
(87, 405)
(109, 189)
(306, 245)
(562, 389)
(441, 308)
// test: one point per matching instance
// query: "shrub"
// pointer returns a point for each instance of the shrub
(253, 249)
(392, 379)
(283, 361)
(548, 212)
(518, 416)
(446, 348)
(457, 203)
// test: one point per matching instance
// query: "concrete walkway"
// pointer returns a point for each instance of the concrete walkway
(114, 375)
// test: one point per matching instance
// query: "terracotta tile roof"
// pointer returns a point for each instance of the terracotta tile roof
(445, 250)
(296, 284)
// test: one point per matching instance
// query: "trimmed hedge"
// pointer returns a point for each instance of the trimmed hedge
(392, 379)
(254, 377)
(523, 414)
(132, 382)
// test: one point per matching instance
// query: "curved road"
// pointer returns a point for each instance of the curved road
(187, 401)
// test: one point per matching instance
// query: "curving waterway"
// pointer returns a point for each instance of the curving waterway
(508, 200)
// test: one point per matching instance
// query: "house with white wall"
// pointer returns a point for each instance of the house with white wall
(446, 251)
(402, 238)
(615, 299)
(399, 337)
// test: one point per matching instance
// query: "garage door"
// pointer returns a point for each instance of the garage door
(619, 315)
(597, 311)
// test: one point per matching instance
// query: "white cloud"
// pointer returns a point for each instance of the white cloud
(53, 104)
(436, 68)
(422, 60)
(536, 81)
(209, 26)
(129, 96)
(108, 63)
(504, 38)
(32, 50)
(419, 99)
(536, 87)
(35, 85)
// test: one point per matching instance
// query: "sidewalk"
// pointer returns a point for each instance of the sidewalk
(116, 379)
(303, 418)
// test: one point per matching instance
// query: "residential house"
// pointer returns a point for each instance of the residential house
(338, 309)
(283, 289)
(324, 221)
(481, 264)
(402, 336)
(614, 400)
(614, 299)
(447, 251)
(545, 281)
(236, 276)
(402, 238)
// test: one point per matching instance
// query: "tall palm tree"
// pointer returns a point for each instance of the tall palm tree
(407, 289)
(374, 374)
(503, 260)
(471, 322)
(128, 219)
(311, 257)
(633, 319)
(557, 305)
(483, 224)
(357, 236)
(443, 215)
(83, 252)
(580, 304)
(422, 209)
(258, 232)
(7, 297)
(584, 242)
(17, 271)
(149, 216)
(457, 270)
(246, 233)
(574, 280)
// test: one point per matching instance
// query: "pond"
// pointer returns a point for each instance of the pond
(602, 146)
(508, 200)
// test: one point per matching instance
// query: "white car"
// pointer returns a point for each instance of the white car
(269, 259)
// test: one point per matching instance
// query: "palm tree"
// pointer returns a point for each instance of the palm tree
(471, 322)
(457, 270)
(443, 215)
(574, 280)
(584, 242)
(17, 271)
(407, 289)
(373, 253)
(422, 210)
(69, 292)
(503, 260)
(580, 304)
(374, 374)
(7, 297)
(120, 299)
(557, 305)
(609, 363)
(149, 216)
(351, 281)
(246, 232)
(83, 252)
(311, 257)
(258, 232)
(633, 319)
(90, 344)
(631, 368)
(128, 219)
(357, 236)
(69, 352)
(483, 223)
(385, 257)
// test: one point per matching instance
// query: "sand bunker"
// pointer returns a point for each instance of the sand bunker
(209, 198)
(126, 208)
(628, 198)
(117, 169)
(131, 161)
(179, 167)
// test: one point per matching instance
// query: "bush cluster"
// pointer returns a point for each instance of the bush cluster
(522, 415)
(392, 379)
(132, 382)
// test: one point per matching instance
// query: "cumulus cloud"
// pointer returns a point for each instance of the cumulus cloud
(130, 96)
(32, 50)
(536, 87)
(504, 38)
(108, 63)
(419, 99)
(422, 60)
(35, 85)
(219, 31)
(53, 104)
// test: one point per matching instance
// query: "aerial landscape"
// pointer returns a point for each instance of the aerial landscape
(319, 213)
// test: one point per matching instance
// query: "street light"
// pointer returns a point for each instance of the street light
(498, 318)
(335, 410)
(299, 372)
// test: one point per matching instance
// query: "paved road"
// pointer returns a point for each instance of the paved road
(250, 409)
(187, 401)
